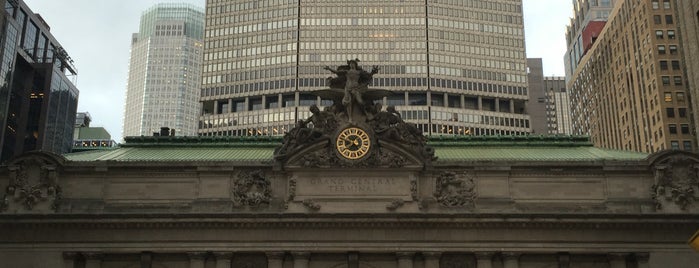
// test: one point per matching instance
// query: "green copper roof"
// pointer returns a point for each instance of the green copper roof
(447, 149)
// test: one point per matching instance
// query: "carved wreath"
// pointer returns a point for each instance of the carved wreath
(252, 189)
(453, 191)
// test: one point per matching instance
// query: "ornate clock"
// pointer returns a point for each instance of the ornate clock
(353, 143)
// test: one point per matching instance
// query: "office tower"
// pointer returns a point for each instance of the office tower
(455, 67)
(587, 22)
(629, 91)
(548, 101)
(38, 99)
(688, 24)
(537, 96)
(165, 71)
(558, 119)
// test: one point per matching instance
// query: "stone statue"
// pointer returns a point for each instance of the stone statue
(355, 82)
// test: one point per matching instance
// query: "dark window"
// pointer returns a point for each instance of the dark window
(670, 112)
(668, 19)
(395, 100)
(672, 128)
(307, 100)
(437, 99)
(663, 65)
(271, 102)
(684, 128)
(657, 19)
(687, 145)
(675, 65)
(682, 112)
(417, 99)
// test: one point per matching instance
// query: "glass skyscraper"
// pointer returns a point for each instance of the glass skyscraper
(165, 71)
(455, 66)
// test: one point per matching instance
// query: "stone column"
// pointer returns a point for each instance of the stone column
(617, 260)
(223, 259)
(93, 259)
(480, 103)
(274, 259)
(463, 101)
(497, 105)
(512, 106)
(510, 260)
(69, 259)
(484, 259)
(230, 106)
(301, 259)
(196, 259)
(405, 259)
(216, 107)
(642, 259)
(432, 259)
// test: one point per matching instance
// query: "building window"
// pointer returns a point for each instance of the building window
(657, 19)
(675, 65)
(677, 80)
(684, 128)
(666, 82)
(672, 129)
(663, 65)
(682, 112)
(668, 97)
(673, 49)
(680, 96)
(668, 19)
(661, 50)
(670, 112)
(687, 145)
(655, 4)
(670, 34)
(675, 145)
(666, 4)
(659, 34)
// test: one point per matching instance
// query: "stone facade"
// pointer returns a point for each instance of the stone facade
(208, 213)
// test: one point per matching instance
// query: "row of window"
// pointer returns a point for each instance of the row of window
(684, 128)
(660, 34)
(677, 80)
(658, 19)
(435, 129)
(656, 4)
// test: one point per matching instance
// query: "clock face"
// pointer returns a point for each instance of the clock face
(353, 143)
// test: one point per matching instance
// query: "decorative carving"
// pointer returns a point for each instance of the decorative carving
(413, 189)
(252, 189)
(353, 107)
(676, 181)
(453, 191)
(395, 204)
(291, 192)
(33, 181)
(310, 204)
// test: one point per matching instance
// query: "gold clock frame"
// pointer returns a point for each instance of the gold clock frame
(353, 143)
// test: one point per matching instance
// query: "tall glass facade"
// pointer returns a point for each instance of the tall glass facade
(455, 66)
(165, 71)
(38, 99)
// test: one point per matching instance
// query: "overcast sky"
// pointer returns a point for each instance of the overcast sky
(97, 36)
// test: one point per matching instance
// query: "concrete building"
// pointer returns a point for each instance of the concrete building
(455, 67)
(688, 26)
(558, 114)
(537, 96)
(587, 22)
(38, 99)
(629, 90)
(548, 101)
(165, 71)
